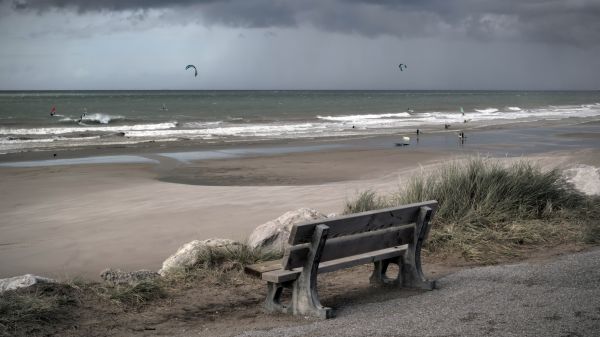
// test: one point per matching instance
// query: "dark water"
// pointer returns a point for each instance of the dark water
(98, 118)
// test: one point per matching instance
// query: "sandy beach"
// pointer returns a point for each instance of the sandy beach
(75, 220)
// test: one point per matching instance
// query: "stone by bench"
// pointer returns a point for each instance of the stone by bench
(391, 235)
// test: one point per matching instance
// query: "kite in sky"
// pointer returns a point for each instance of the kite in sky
(192, 66)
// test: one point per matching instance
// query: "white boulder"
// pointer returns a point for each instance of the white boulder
(273, 235)
(586, 178)
(22, 281)
(187, 255)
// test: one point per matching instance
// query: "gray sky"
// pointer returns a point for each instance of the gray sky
(295, 44)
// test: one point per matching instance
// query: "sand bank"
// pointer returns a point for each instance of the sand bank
(71, 220)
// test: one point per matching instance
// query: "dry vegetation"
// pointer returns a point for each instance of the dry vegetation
(83, 308)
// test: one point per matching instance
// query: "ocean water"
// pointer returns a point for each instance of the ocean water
(96, 118)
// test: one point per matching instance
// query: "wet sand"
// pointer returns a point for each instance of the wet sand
(75, 220)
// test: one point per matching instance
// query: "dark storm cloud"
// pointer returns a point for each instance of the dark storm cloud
(94, 5)
(574, 22)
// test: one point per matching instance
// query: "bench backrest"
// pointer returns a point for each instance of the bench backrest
(359, 233)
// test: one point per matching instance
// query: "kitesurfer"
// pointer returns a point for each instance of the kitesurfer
(82, 115)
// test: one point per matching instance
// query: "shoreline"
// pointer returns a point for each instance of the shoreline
(152, 147)
(76, 220)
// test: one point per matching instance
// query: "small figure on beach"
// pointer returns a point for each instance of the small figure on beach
(418, 131)
(446, 126)
(461, 136)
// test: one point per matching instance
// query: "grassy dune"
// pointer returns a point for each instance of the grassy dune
(488, 211)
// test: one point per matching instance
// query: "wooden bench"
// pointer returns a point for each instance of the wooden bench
(391, 235)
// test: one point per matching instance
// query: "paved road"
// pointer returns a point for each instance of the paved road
(553, 298)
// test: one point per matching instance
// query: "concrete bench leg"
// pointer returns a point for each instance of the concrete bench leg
(379, 270)
(305, 300)
(410, 268)
(273, 301)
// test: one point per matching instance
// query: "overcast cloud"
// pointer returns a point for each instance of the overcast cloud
(285, 44)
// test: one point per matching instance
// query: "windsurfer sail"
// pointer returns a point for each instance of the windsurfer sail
(53, 111)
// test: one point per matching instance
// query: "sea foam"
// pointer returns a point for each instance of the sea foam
(488, 110)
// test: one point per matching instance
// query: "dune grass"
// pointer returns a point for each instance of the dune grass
(223, 266)
(139, 294)
(489, 211)
(23, 312)
(239, 255)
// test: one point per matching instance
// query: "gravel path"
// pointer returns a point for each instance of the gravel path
(551, 298)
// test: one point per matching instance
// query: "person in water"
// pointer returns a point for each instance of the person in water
(82, 115)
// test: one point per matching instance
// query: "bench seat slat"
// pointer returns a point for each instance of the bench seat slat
(258, 269)
(281, 275)
(361, 222)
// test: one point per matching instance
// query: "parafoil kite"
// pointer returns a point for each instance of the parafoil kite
(402, 65)
(192, 66)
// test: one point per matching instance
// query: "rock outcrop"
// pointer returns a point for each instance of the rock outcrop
(22, 281)
(119, 277)
(273, 235)
(187, 255)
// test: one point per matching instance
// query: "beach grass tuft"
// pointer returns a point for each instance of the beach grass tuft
(365, 201)
(24, 310)
(221, 265)
(139, 294)
(488, 211)
(237, 256)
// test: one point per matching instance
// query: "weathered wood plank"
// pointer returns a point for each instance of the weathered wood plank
(360, 222)
(258, 269)
(349, 245)
(281, 275)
